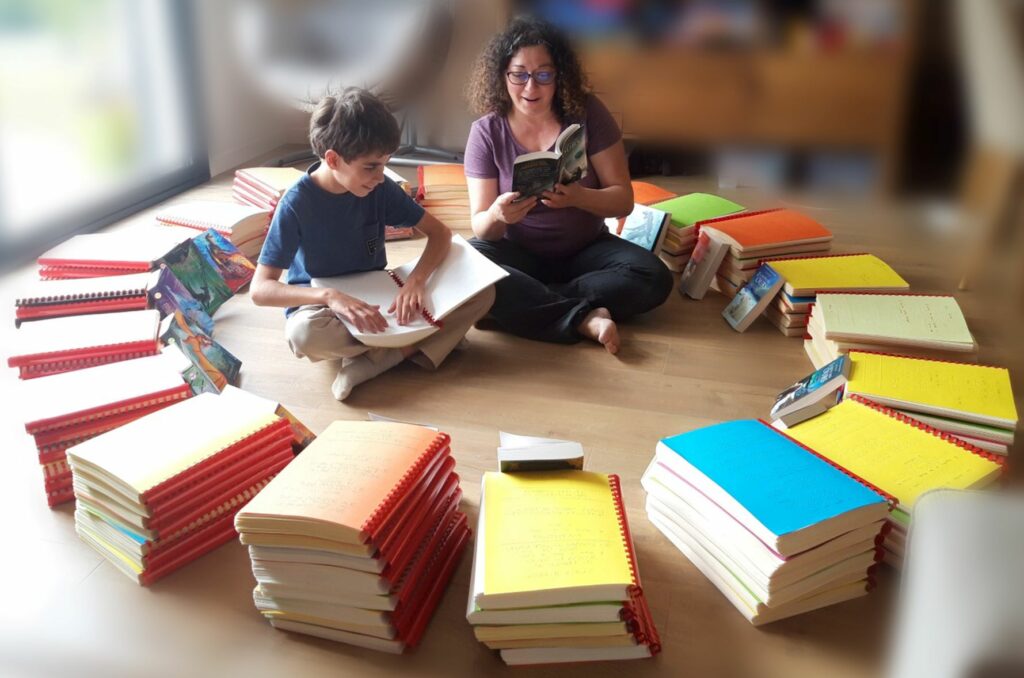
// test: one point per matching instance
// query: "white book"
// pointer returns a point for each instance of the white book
(705, 261)
(271, 554)
(564, 655)
(463, 274)
(357, 639)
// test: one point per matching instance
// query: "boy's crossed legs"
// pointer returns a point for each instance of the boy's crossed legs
(315, 332)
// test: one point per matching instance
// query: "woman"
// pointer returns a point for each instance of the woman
(569, 278)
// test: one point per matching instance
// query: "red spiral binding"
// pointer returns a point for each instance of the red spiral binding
(35, 370)
(730, 217)
(75, 419)
(636, 614)
(890, 499)
(930, 360)
(377, 516)
(424, 312)
(768, 260)
(899, 416)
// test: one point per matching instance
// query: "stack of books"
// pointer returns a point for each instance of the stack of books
(755, 236)
(775, 528)
(444, 193)
(973, 402)
(75, 342)
(58, 298)
(687, 211)
(399, 232)
(244, 226)
(66, 409)
(163, 490)
(263, 187)
(900, 456)
(922, 325)
(555, 577)
(643, 194)
(807, 276)
(357, 540)
(93, 255)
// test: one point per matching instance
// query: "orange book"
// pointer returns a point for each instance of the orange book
(648, 194)
(347, 483)
(768, 229)
(440, 181)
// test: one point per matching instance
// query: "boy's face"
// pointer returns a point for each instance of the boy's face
(360, 176)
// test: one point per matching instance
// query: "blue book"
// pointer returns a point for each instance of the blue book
(753, 298)
(790, 498)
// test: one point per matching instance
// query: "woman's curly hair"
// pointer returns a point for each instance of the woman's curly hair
(487, 92)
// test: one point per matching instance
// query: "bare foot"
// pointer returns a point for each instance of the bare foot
(598, 326)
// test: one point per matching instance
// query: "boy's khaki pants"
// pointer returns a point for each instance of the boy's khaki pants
(314, 332)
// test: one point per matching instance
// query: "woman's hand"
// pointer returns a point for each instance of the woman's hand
(506, 211)
(364, 316)
(409, 301)
(563, 195)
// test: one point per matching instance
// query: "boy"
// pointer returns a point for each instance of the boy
(332, 223)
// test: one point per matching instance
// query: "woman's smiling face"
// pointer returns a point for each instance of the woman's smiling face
(531, 98)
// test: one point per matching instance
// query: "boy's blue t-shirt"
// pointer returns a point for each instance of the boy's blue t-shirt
(318, 234)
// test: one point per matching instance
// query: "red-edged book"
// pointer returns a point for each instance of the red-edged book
(94, 255)
(150, 513)
(64, 344)
(66, 409)
(58, 298)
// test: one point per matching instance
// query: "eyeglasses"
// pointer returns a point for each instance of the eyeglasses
(539, 77)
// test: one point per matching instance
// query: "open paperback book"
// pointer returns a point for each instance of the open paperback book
(464, 273)
(534, 173)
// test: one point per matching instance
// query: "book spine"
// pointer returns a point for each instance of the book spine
(890, 499)
(420, 190)
(379, 514)
(636, 614)
(948, 437)
(44, 311)
(45, 367)
(427, 315)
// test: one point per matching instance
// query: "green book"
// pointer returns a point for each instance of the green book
(687, 210)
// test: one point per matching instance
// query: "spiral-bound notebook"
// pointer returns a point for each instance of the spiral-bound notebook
(900, 455)
(550, 538)
(348, 482)
(64, 344)
(58, 298)
(116, 253)
(463, 274)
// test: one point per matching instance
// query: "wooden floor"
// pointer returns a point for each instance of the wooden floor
(67, 612)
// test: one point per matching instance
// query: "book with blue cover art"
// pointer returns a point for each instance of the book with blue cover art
(225, 258)
(646, 227)
(788, 496)
(799, 401)
(753, 298)
(167, 295)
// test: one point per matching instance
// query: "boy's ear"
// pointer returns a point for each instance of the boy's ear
(332, 158)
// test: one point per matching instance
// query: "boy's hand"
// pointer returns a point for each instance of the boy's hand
(509, 212)
(563, 195)
(409, 301)
(365, 317)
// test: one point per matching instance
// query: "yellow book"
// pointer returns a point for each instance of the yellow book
(807, 276)
(553, 538)
(923, 321)
(901, 458)
(976, 393)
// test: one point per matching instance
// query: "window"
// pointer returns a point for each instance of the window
(98, 115)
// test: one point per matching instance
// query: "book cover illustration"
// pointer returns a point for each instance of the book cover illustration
(534, 173)
(199, 277)
(166, 294)
(752, 298)
(818, 383)
(645, 226)
(216, 364)
(226, 259)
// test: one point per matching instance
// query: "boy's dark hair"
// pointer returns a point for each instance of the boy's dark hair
(352, 124)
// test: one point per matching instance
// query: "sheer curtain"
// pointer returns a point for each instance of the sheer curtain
(98, 115)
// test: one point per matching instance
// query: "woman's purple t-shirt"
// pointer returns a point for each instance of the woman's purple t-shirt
(491, 152)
